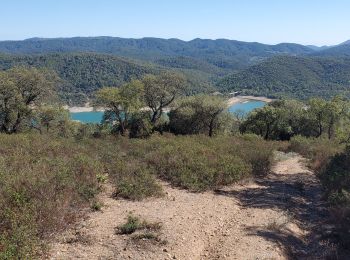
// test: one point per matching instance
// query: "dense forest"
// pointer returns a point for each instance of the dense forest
(222, 53)
(83, 73)
(297, 77)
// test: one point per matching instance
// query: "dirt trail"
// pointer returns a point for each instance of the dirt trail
(271, 218)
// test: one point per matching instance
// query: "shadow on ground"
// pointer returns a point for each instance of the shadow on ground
(299, 196)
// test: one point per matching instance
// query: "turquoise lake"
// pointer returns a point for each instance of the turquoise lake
(247, 106)
(87, 117)
(96, 116)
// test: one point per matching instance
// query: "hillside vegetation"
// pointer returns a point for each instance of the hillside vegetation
(221, 53)
(52, 168)
(82, 74)
(296, 77)
(85, 64)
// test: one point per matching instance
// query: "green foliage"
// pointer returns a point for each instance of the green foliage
(220, 53)
(336, 177)
(280, 120)
(318, 150)
(82, 74)
(134, 181)
(50, 118)
(198, 163)
(22, 89)
(198, 115)
(43, 183)
(161, 91)
(87, 64)
(121, 103)
(331, 162)
(141, 126)
(134, 224)
(55, 176)
(293, 77)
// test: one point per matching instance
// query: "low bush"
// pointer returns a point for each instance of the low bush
(134, 223)
(331, 162)
(335, 177)
(318, 150)
(134, 181)
(46, 180)
(196, 163)
(196, 166)
(43, 185)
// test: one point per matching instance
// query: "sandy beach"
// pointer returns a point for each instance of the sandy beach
(83, 109)
(242, 99)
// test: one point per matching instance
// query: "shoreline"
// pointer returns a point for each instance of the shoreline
(241, 99)
(230, 102)
(84, 109)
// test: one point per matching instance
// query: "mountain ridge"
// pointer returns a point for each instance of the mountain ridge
(223, 53)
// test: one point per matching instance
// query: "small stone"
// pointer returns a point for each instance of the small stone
(165, 250)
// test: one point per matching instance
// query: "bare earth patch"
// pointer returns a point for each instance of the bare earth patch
(270, 218)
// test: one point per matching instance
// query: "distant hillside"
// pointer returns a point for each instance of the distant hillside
(337, 51)
(225, 54)
(84, 73)
(298, 77)
(88, 63)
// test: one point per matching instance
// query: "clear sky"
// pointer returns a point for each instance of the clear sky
(318, 22)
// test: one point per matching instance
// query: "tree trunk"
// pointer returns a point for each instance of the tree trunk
(211, 127)
(17, 123)
(267, 134)
(330, 129)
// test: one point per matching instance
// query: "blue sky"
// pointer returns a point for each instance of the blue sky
(319, 22)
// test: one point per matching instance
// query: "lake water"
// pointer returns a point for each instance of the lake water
(87, 117)
(246, 107)
(96, 116)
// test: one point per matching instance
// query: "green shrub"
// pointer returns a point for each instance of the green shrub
(134, 181)
(43, 183)
(318, 150)
(331, 162)
(197, 167)
(140, 126)
(134, 223)
(335, 177)
(46, 180)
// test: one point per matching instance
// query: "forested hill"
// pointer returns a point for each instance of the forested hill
(81, 74)
(85, 64)
(336, 51)
(227, 54)
(298, 77)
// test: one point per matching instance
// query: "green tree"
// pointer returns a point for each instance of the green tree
(121, 103)
(50, 117)
(21, 90)
(317, 112)
(262, 121)
(197, 114)
(161, 91)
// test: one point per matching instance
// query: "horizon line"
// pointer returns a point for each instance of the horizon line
(172, 38)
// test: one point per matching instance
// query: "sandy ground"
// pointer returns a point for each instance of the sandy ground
(82, 109)
(241, 99)
(270, 218)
